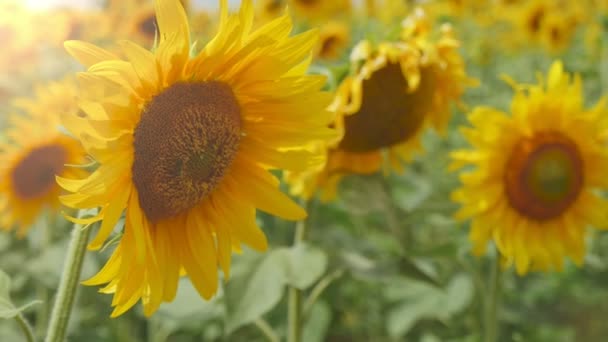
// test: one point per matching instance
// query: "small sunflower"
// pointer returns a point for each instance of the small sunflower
(396, 90)
(333, 40)
(557, 32)
(533, 188)
(142, 26)
(185, 144)
(34, 153)
(549, 23)
(319, 9)
(270, 9)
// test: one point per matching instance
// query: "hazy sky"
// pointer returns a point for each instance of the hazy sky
(209, 4)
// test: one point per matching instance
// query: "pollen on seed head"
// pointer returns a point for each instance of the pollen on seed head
(185, 142)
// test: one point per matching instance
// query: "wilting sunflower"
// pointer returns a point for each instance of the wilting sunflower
(536, 173)
(34, 152)
(396, 90)
(185, 144)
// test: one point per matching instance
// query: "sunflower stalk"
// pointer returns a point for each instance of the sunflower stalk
(294, 300)
(492, 302)
(68, 285)
(42, 312)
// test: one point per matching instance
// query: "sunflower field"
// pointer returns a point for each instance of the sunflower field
(304, 170)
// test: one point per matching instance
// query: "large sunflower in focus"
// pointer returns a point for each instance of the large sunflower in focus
(536, 173)
(396, 90)
(34, 153)
(185, 144)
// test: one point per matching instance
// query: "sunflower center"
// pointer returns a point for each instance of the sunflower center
(35, 174)
(535, 19)
(544, 176)
(330, 47)
(388, 113)
(184, 143)
(148, 26)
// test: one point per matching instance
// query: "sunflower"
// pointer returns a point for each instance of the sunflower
(396, 90)
(333, 40)
(319, 9)
(387, 11)
(270, 9)
(185, 145)
(34, 153)
(557, 32)
(142, 25)
(533, 189)
(550, 23)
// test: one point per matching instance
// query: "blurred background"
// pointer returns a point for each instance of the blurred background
(385, 261)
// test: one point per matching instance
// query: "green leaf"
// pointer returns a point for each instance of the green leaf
(419, 300)
(7, 309)
(318, 322)
(306, 264)
(189, 307)
(256, 291)
(5, 286)
(258, 284)
(410, 269)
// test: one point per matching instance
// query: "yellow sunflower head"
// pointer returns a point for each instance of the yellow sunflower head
(185, 144)
(386, 10)
(319, 9)
(34, 153)
(270, 9)
(548, 23)
(333, 40)
(142, 27)
(396, 90)
(532, 188)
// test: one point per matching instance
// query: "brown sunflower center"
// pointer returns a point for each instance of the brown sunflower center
(184, 143)
(544, 176)
(388, 114)
(535, 19)
(35, 174)
(330, 47)
(148, 25)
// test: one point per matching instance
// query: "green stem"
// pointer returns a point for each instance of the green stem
(318, 290)
(26, 327)
(42, 313)
(492, 302)
(294, 299)
(68, 285)
(394, 218)
(267, 330)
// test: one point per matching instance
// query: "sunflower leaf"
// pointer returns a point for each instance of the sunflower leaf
(253, 293)
(7, 309)
(305, 265)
